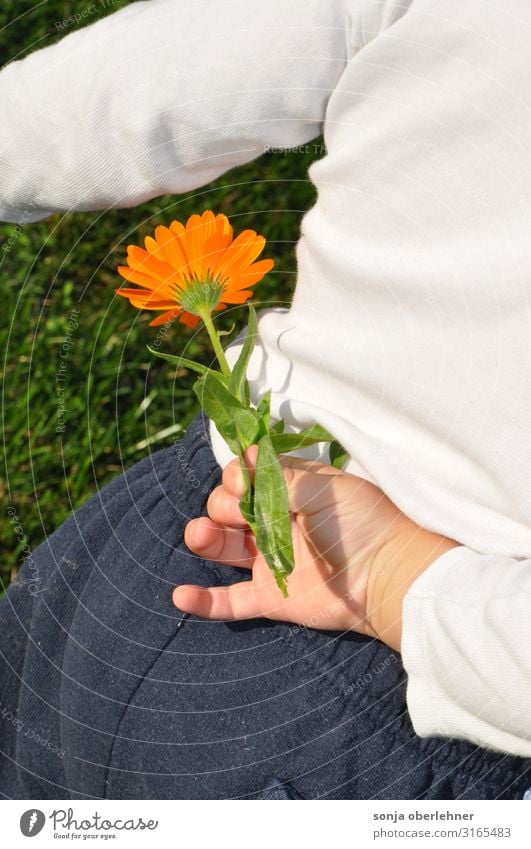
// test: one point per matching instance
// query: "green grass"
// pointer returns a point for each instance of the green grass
(120, 403)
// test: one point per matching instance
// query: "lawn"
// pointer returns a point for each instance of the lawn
(82, 398)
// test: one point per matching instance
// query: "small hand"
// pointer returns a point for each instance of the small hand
(356, 554)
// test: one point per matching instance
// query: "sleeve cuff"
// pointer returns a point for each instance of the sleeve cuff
(450, 654)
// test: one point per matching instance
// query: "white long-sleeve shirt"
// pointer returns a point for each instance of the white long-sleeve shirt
(408, 336)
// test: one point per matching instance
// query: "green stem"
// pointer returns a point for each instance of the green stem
(214, 338)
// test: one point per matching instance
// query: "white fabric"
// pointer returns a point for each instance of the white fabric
(466, 647)
(408, 336)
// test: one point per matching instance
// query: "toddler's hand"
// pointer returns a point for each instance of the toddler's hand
(356, 554)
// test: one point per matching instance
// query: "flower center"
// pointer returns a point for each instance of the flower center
(201, 294)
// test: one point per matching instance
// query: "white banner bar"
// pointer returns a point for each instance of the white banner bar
(255, 825)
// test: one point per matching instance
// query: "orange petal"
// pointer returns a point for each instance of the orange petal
(171, 247)
(139, 294)
(237, 297)
(189, 319)
(138, 255)
(140, 278)
(199, 229)
(253, 274)
(163, 305)
(169, 286)
(214, 251)
(241, 253)
(146, 300)
(207, 219)
(223, 225)
(153, 248)
(204, 224)
(176, 228)
(162, 319)
(140, 260)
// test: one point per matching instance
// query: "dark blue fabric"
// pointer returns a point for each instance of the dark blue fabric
(108, 691)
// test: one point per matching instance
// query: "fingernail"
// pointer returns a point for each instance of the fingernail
(189, 532)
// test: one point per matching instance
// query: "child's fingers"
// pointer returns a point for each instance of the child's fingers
(233, 482)
(232, 478)
(224, 508)
(308, 492)
(311, 487)
(224, 545)
(228, 603)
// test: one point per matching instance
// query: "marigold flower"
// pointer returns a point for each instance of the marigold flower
(193, 269)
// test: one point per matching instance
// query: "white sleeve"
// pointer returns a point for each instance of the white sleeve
(163, 96)
(466, 647)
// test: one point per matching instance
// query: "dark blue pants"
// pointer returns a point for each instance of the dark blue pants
(108, 691)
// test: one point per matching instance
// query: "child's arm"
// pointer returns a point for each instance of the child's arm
(466, 647)
(163, 97)
(362, 565)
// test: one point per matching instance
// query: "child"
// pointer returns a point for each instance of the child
(407, 339)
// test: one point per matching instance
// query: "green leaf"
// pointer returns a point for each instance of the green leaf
(271, 514)
(183, 362)
(226, 332)
(286, 442)
(247, 499)
(338, 456)
(278, 427)
(238, 383)
(247, 426)
(263, 411)
(237, 424)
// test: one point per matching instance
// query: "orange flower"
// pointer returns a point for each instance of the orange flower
(187, 270)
